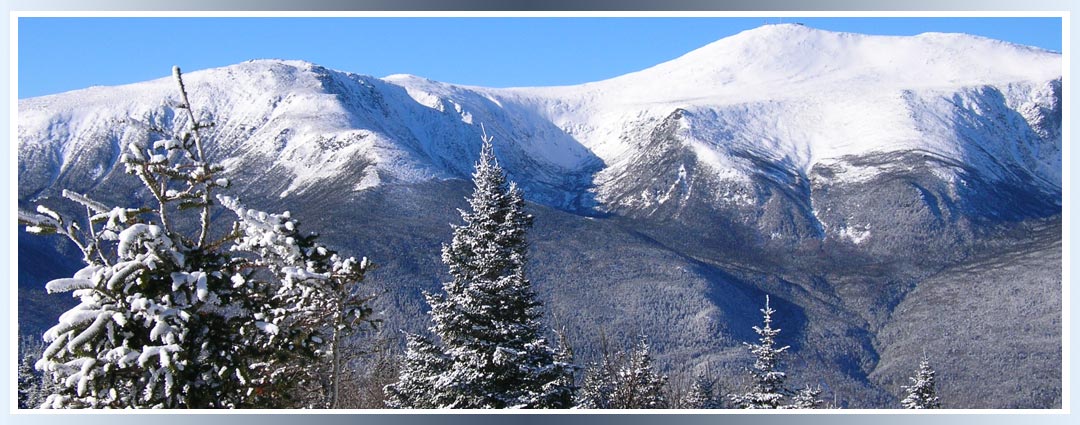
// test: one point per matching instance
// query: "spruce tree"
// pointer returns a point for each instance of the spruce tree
(624, 381)
(173, 314)
(487, 318)
(806, 398)
(32, 385)
(417, 382)
(701, 395)
(597, 387)
(922, 394)
(767, 389)
(639, 386)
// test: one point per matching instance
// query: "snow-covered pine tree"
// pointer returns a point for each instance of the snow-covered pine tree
(417, 386)
(305, 299)
(922, 394)
(564, 354)
(639, 386)
(171, 317)
(597, 386)
(487, 319)
(767, 389)
(29, 382)
(806, 398)
(701, 395)
(33, 387)
(624, 381)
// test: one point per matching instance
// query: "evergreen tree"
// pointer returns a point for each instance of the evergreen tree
(921, 394)
(597, 387)
(172, 317)
(421, 368)
(33, 387)
(487, 319)
(29, 383)
(767, 389)
(806, 398)
(701, 395)
(624, 382)
(639, 386)
(564, 354)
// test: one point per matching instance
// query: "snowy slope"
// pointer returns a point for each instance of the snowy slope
(841, 93)
(775, 102)
(294, 119)
(789, 94)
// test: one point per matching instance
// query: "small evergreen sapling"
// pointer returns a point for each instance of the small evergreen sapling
(418, 381)
(597, 387)
(922, 394)
(624, 381)
(701, 395)
(806, 398)
(767, 390)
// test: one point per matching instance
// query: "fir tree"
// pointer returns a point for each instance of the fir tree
(33, 387)
(639, 386)
(921, 394)
(487, 319)
(767, 389)
(806, 398)
(624, 381)
(172, 316)
(597, 387)
(701, 395)
(421, 368)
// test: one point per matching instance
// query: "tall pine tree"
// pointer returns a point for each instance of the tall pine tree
(922, 394)
(767, 389)
(487, 319)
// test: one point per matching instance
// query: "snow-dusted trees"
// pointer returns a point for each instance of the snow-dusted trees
(767, 390)
(624, 382)
(488, 318)
(598, 386)
(701, 395)
(921, 394)
(806, 398)
(639, 386)
(33, 387)
(418, 382)
(176, 313)
(768, 387)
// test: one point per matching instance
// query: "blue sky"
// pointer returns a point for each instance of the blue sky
(61, 54)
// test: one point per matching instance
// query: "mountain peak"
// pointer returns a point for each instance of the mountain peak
(784, 60)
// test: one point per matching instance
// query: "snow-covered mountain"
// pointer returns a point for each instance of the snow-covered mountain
(784, 109)
(834, 170)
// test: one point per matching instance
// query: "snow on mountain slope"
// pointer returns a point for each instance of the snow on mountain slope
(788, 95)
(803, 95)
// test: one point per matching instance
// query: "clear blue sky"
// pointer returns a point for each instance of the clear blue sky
(61, 54)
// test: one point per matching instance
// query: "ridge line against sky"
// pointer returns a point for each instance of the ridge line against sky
(62, 54)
